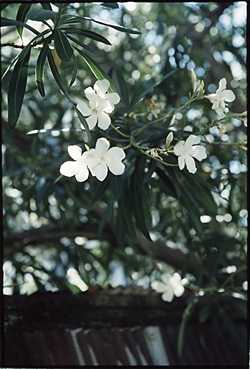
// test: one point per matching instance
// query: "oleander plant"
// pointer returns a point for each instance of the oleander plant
(124, 149)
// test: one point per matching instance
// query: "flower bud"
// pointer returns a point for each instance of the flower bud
(169, 139)
(193, 78)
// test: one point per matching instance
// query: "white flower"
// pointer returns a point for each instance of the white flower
(172, 286)
(186, 152)
(79, 167)
(96, 112)
(218, 99)
(108, 159)
(100, 89)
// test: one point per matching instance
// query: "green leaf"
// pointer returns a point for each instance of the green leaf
(83, 32)
(40, 15)
(83, 121)
(74, 74)
(115, 185)
(21, 14)
(203, 193)
(97, 70)
(17, 87)
(105, 216)
(101, 190)
(62, 45)
(136, 96)
(110, 5)
(123, 88)
(125, 214)
(46, 6)
(39, 67)
(56, 74)
(139, 206)
(145, 92)
(118, 28)
(81, 44)
(12, 22)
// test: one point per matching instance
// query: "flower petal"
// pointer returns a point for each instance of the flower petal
(227, 95)
(198, 152)
(161, 287)
(178, 149)
(192, 140)
(178, 290)
(103, 120)
(168, 296)
(75, 152)
(102, 146)
(69, 168)
(116, 153)
(83, 174)
(84, 108)
(101, 87)
(116, 167)
(190, 163)
(91, 121)
(89, 92)
(92, 158)
(181, 162)
(113, 98)
(222, 84)
(100, 171)
(166, 278)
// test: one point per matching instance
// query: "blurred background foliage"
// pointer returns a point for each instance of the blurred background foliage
(55, 235)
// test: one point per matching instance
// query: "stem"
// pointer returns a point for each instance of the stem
(58, 16)
(133, 143)
(169, 115)
(120, 133)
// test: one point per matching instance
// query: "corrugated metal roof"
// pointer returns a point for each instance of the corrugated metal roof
(152, 345)
(98, 328)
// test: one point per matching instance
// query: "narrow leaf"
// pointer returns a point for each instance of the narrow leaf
(81, 44)
(97, 70)
(136, 96)
(40, 15)
(138, 206)
(145, 92)
(17, 87)
(74, 74)
(123, 88)
(110, 5)
(46, 6)
(62, 45)
(125, 212)
(101, 190)
(118, 28)
(83, 121)
(39, 67)
(115, 185)
(21, 14)
(56, 74)
(12, 22)
(90, 34)
(23, 51)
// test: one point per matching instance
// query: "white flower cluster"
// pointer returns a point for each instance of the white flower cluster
(97, 161)
(101, 104)
(100, 159)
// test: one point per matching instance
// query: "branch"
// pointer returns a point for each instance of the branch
(13, 45)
